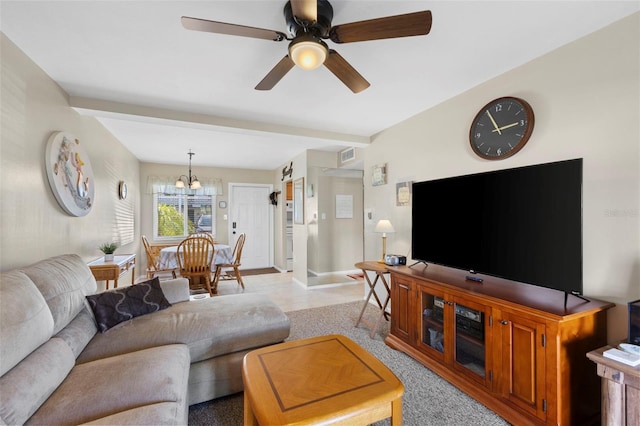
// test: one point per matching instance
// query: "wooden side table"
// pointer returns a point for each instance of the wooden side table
(620, 390)
(380, 269)
(319, 380)
(107, 271)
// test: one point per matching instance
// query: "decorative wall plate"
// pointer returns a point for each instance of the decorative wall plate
(122, 190)
(70, 174)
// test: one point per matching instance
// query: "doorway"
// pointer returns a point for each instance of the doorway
(250, 213)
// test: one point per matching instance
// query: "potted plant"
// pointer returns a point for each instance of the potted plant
(108, 249)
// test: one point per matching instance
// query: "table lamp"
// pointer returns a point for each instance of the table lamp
(384, 226)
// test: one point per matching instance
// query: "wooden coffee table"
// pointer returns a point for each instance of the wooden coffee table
(326, 379)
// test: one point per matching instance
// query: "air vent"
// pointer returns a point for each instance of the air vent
(347, 155)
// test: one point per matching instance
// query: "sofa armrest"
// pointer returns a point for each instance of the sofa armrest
(176, 290)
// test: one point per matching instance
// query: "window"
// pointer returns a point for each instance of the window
(179, 215)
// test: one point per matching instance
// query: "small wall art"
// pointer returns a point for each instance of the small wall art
(70, 174)
(379, 175)
(344, 206)
(403, 193)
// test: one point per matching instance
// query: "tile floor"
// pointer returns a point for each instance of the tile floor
(291, 296)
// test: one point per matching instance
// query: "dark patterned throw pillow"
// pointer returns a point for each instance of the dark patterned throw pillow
(115, 306)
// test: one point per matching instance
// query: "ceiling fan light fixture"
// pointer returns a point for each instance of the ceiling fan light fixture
(308, 52)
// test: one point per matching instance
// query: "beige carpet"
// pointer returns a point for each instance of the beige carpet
(428, 399)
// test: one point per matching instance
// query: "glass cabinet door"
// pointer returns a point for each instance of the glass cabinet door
(433, 320)
(470, 347)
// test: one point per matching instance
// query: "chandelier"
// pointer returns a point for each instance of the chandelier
(191, 181)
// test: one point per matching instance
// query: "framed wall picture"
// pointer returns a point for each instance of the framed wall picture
(298, 201)
(379, 175)
(403, 193)
(344, 206)
(70, 174)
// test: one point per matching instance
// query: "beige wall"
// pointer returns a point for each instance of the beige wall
(586, 99)
(340, 239)
(300, 233)
(332, 245)
(33, 224)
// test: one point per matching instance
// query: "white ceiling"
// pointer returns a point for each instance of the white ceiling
(162, 90)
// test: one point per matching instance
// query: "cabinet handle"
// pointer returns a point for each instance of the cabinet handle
(504, 322)
(450, 303)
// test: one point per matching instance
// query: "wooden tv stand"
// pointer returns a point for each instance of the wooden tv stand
(513, 347)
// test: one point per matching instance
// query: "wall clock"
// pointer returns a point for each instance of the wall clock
(122, 190)
(501, 128)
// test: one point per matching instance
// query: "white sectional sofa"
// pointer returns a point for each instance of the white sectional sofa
(57, 367)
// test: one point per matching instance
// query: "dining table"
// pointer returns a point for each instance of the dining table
(168, 258)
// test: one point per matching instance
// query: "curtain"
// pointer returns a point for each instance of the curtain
(167, 185)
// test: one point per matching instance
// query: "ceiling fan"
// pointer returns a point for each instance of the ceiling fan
(309, 23)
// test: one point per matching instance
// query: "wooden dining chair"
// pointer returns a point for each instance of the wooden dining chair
(231, 271)
(205, 235)
(153, 267)
(195, 259)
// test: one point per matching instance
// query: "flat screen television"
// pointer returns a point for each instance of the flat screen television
(522, 224)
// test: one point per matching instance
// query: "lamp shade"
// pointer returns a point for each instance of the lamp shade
(179, 184)
(308, 53)
(384, 226)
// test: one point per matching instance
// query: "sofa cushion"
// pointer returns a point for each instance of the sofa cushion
(106, 387)
(122, 304)
(210, 327)
(64, 281)
(216, 377)
(163, 413)
(176, 290)
(26, 386)
(79, 331)
(26, 321)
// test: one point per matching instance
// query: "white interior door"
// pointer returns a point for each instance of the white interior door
(251, 213)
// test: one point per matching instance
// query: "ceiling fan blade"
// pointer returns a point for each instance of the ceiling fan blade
(198, 24)
(305, 10)
(409, 24)
(276, 74)
(345, 72)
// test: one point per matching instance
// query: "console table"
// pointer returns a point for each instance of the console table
(516, 348)
(112, 270)
(620, 390)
